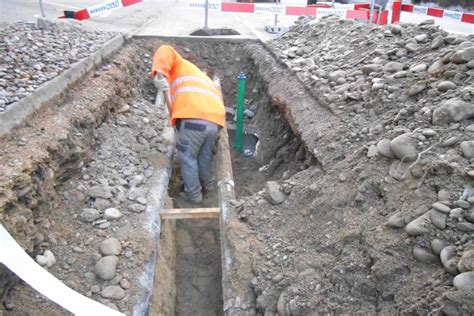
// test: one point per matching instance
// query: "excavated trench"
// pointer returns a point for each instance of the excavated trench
(104, 145)
(191, 249)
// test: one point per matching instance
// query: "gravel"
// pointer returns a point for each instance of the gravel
(32, 54)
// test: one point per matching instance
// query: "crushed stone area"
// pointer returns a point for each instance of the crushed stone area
(32, 54)
(381, 220)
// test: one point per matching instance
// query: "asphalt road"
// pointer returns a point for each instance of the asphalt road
(171, 17)
(125, 19)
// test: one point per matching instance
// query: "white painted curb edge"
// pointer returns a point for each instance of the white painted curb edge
(20, 263)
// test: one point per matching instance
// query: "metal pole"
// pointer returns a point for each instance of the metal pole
(206, 10)
(42, 9)
(371, 15)
(276, 20)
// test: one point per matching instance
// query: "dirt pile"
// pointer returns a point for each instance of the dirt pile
(382, 221)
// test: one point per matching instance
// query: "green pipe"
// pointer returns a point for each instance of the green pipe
(239, 131)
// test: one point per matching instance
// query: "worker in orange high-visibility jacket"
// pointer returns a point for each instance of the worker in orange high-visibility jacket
(197, 111)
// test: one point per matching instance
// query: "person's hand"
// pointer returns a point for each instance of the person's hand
(161, 84)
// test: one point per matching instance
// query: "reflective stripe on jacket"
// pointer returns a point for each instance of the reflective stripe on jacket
(193, 94)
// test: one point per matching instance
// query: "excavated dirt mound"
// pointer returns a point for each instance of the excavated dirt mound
(382, 220)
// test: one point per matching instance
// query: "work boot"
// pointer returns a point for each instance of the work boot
(208, 188)
(187, 198)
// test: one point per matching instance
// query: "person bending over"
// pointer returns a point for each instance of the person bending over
(197, 112)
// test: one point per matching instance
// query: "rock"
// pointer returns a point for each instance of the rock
(463, 56)
(89, 215)
(281, 305)
(101, 191)
(367, 69)
(404, 148)
(456, 213)
(124, 284)
(396, 28)
(463, 204)
(424, 255)
(105, 267)
(467, 261)
(95, 288)
(428, 132)
(453, 110)
(398, 170)
(333, 76)
(114, 292)
(465, 227)
(443, 195)
(444, 86)
(438, 219)
(112, 214)
(419, 226)
(437, 245)
(412, 47)
(262, 302)
(437, 66)
(136, 208)
(441, 207)
(416, 88)
(464, 281)
(448, 258)
(392, 67)
(450, 142)
(418, 68)
(47, 259)
(372, 151)
(469, 215)
(110, 247)
(274, 193)
(421, 38)
(383, 148)
(437, 43)
(467, 149)
(397, 220)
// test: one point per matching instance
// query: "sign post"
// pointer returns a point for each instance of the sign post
(42, 9)
(206, 13)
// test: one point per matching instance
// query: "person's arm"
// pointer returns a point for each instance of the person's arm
(162, 84)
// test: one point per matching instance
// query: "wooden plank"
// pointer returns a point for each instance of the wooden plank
(190, 213)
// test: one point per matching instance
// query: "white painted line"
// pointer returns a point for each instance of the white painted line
(20, 263)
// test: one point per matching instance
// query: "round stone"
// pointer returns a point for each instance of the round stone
(112, 214)
(441, 207)
(114, 292)
(111, 247)
(105, 267)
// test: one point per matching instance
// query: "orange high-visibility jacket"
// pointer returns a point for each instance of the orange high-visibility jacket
(193, 94)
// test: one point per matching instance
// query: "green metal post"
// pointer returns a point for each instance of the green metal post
(239, 131)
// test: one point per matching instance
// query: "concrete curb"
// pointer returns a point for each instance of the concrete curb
(19, 111)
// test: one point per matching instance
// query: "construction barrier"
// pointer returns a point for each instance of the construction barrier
(433, 12)
(361, 12)
(98, 9)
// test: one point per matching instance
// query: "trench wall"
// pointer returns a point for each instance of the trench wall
(63, 133)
